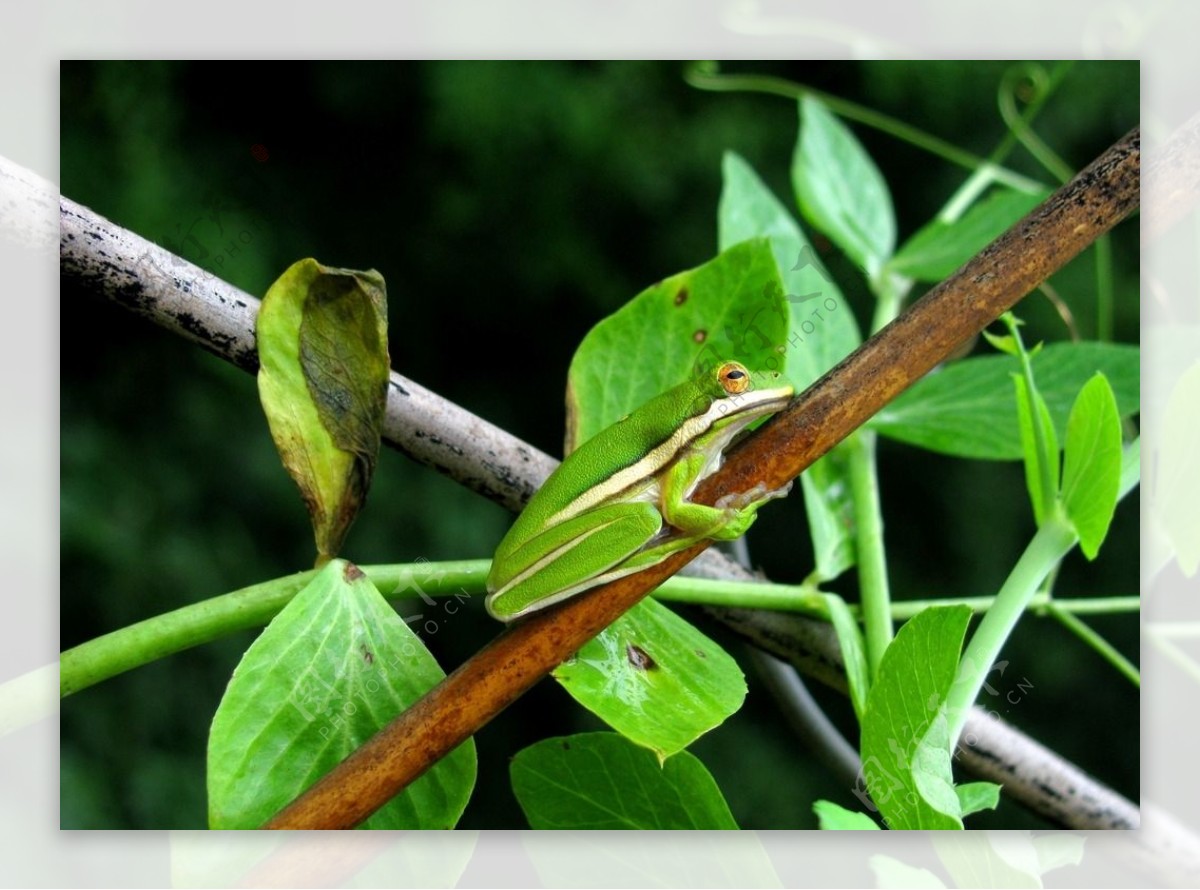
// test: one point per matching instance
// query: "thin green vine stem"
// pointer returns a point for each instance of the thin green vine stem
(1018, 126)
(154, 638)
(1053, 540)
(808, 600)
(1104, 289)
(1045, 87)
(707, 78)
(245, 609)
(874, 592)
(252, 607)
(966, 193)
(1038, 605)
(871, 554)
(1097, 642)
(802, 599)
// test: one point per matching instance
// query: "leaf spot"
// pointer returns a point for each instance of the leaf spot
(639, 658)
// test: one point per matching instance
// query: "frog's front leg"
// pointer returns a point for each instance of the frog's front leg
(731, 516)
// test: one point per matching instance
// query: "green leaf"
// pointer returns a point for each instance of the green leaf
(329, 671)
(939, 248)
(966, 408)
(601, 781)
(1005, 343)
(840, 190)
(822, 331)
(931, 769)
(905, 738)
(1009, 343)
(854, 654)
(322, 380)
(833, 817)
(732, 307)
(976, 796)
(829, 504)
(655, 678)
(1035, 459)
(1131, 467)
(1092, 464)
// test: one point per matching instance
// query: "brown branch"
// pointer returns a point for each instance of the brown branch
(1066, 223)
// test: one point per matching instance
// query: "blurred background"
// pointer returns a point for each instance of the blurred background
(509, 206)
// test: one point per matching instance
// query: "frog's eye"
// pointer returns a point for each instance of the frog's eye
(734, 378)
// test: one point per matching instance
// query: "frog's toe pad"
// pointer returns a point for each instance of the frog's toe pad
(757, 495)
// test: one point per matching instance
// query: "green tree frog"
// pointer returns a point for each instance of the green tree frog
(619, 503)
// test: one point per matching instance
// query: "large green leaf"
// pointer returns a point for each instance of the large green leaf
(840, 190)
(1092, 464)
(905, 735)
(967, 408)
(940, 247)
(601, 781)
(732, 307)
(322, 380)
(834, 817)
(822, 332)
(655, 678)
(332, 668)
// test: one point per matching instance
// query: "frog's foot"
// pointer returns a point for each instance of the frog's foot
(756, 496)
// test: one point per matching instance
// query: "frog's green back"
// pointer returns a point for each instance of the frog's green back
(611, 450)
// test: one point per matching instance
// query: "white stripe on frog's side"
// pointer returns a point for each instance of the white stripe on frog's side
(546, 560)
(741, 409)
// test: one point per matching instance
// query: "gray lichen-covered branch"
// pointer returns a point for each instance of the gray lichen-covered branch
(175, 294)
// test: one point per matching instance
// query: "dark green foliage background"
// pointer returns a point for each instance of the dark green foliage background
(509, 206)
